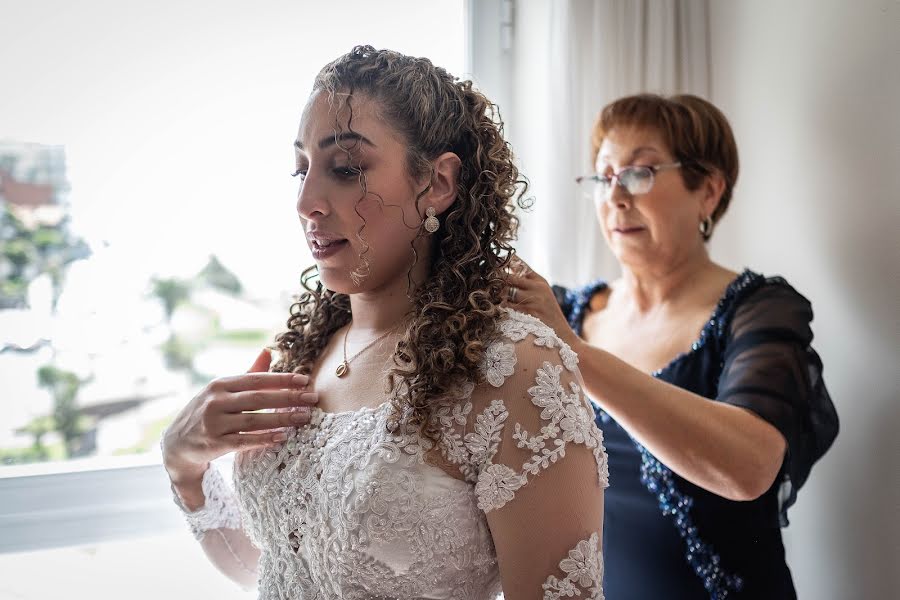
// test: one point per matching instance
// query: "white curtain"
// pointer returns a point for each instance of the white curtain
(569, 58)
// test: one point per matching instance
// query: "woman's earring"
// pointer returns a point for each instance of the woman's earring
(706, 227)
(431, 222)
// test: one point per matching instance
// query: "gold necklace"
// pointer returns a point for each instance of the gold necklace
(344, 367)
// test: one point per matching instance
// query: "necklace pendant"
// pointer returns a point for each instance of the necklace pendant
(342, 369)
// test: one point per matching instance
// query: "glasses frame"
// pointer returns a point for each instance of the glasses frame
(597, 178)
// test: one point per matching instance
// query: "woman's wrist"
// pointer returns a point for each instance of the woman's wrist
(185, 474)
(180, 471)
(576, 343)
(188, 488)
(208, 503)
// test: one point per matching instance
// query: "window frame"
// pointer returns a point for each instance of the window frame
(96, 500)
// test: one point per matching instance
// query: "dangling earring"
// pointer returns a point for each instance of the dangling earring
(431, 223)
(706, 227)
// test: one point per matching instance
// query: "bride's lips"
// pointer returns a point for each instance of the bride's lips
(325, 245)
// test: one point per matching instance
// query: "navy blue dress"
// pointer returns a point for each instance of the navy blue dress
(666, 538)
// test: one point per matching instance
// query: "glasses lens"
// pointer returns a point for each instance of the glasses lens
(595, 185)
(637, 180)
(601, 186)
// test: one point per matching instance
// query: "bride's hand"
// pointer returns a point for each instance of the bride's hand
(530, 293)
(221, 418)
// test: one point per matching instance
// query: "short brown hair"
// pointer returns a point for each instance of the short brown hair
(695, 131)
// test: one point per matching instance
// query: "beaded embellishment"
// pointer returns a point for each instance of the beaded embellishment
(656, 477)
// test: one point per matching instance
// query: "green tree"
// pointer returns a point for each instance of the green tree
(27, 252)
(63, 387)
(217, 276)
(38, 428)
(171, 292)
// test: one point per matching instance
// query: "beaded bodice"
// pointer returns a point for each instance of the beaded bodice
(351, 510)
(346, 508)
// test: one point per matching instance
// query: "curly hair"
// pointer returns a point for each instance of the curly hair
(456, 310)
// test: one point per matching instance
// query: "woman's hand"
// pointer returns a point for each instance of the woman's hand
(221, 418)
(530, 293)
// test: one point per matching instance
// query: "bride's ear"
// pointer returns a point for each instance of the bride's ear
(443, 183)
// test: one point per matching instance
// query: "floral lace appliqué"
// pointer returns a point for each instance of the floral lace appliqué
(519, 325)
(584, 573)
(499, 363)
(566, 417)
(496, 486)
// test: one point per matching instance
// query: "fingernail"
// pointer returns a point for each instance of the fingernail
(310, 397)
(300, 380)
(301, 415)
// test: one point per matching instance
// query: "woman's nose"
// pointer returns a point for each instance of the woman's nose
(311, 199)
(617, 195)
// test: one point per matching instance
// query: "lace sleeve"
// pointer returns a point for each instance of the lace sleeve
(219, 509)
(771, 369)
(538, 464)
(217, 526)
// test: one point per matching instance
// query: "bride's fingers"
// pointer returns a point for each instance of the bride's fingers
(258, 422)
(246, 441)
(258, 381)
(263, 399)
(262, 362)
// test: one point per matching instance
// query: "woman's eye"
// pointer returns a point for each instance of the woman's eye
(301, 173)
(347, 172)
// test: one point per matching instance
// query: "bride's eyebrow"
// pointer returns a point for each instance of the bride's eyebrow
(331, 140)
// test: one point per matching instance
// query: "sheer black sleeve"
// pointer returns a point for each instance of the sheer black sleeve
(564, 298)
(771, 369)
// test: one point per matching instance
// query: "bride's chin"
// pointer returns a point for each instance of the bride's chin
(340, 281)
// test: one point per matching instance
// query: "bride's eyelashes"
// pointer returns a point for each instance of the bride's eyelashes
(349, 173)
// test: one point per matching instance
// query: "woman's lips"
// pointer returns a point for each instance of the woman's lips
(627, 230)
(325, 247)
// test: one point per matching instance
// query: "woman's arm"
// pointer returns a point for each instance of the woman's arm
(725, 449)
(216, 523)
(541, 467)
(224, 417)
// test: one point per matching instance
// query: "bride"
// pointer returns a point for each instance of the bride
(412, 437)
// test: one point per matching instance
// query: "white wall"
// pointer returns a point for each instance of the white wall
(812, 89)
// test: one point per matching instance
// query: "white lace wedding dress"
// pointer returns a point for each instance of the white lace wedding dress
(512, 492)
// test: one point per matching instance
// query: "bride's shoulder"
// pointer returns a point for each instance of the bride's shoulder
(529, 395)
(517, 326)
(527, 342)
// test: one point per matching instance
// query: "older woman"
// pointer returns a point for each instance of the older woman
(707, 390)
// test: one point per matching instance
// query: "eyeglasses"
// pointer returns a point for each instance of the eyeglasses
(637, 179)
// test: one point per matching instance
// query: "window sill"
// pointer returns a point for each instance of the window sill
(84, 502)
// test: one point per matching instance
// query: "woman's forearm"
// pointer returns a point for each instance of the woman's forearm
(724, 449)
(233, 554)
(214, 518)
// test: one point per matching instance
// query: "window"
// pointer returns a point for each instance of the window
(150, 241)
